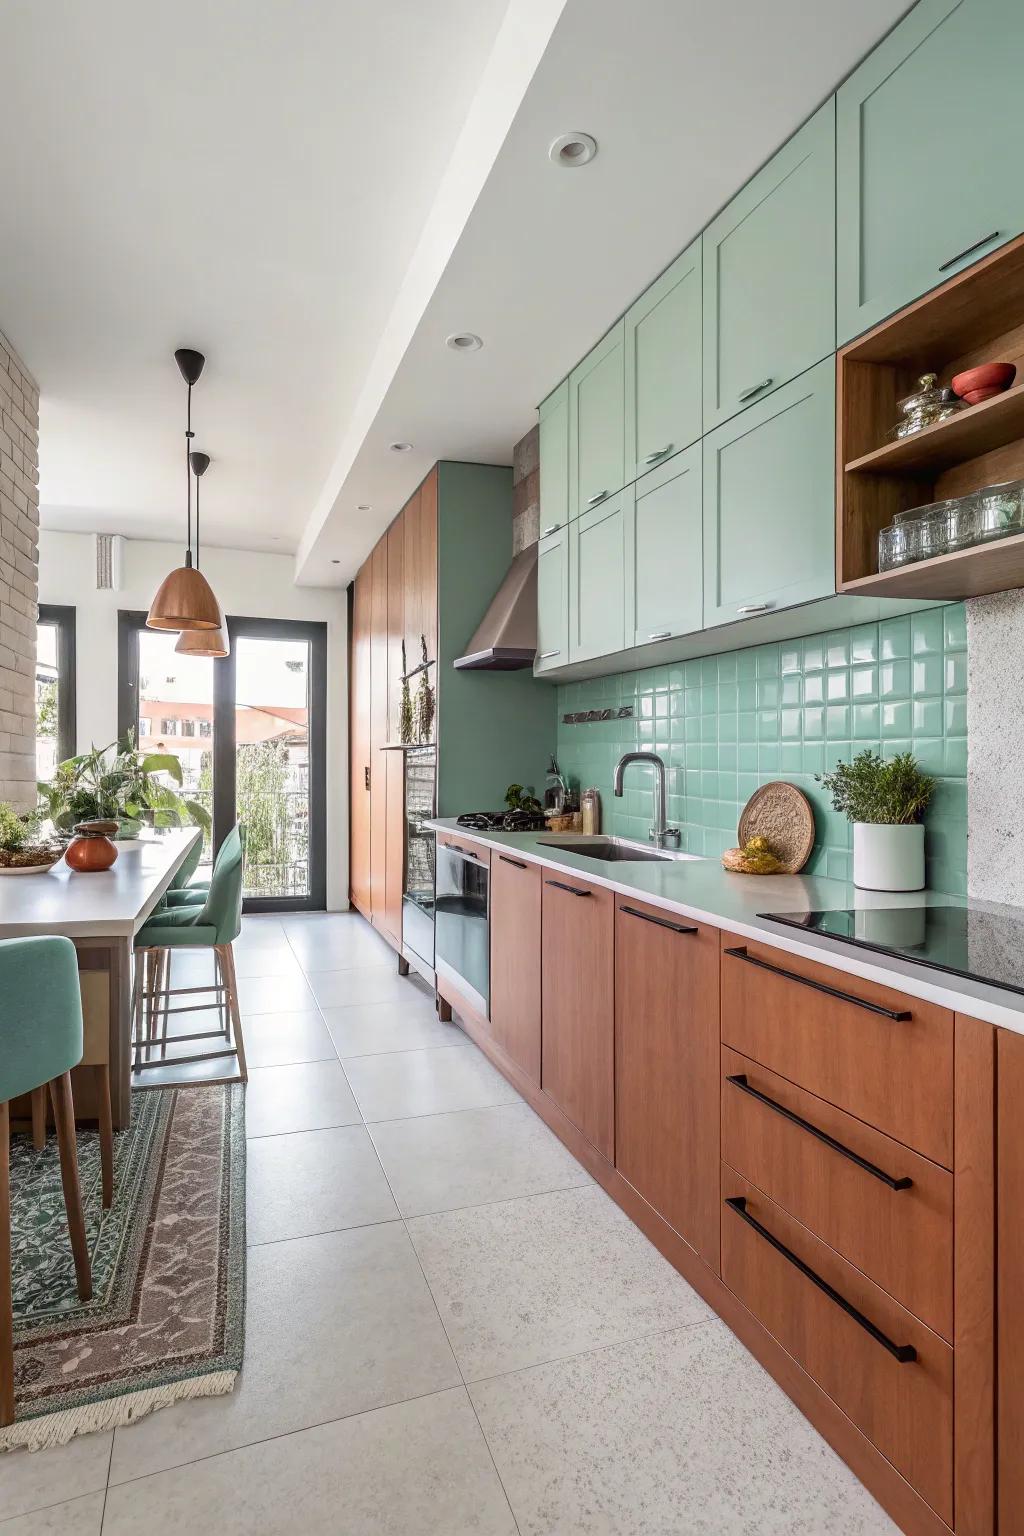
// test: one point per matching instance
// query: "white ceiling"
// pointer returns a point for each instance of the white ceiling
(316, 195)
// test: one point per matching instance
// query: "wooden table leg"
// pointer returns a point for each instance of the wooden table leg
(106, 1132)
(6, 1318)
(64, 1116)
(39, 1118)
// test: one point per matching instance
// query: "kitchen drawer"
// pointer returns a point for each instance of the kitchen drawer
(836, 1175)
(467, 845)
(890, 1374)
(880, 1055)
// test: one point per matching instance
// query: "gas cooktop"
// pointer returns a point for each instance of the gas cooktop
(503, 821)
(983, 946)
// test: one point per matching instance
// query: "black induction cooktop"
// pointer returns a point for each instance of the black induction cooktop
(983, 946)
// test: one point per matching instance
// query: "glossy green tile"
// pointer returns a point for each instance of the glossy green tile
(837, 649)
(927, 675)
(863, 683)
(746, 694)
(791, 722)
(791, 691)
(893, 639)
(747, 725)
(866, 722)
(864, 643)
(790, 659)
(894, 679)
(768, 661)
(727, 667)
(814, 688)
(896, 718)
(955, 622)
(769, 693)
(837, 689)
(956, 673)
(927, 717)
(927, 632)
(955, 757)
(814, 723)
(955, 717)
(837, 722)
(814, 653)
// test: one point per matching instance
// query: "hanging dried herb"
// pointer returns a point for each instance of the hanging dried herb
(405, 717)
(424, 699)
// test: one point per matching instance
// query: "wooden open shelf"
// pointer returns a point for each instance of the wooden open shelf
(976, 317)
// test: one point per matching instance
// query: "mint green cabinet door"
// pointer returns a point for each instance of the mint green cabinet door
(553, 417)
(928, 154)
(597, 580)
(552, 601)
(664, 569)
(769, 274)
(663, 381)
(596, 424)
(769, 502)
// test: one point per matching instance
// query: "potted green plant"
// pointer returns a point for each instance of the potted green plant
(119, 783)
(885, 799)
(22, 850)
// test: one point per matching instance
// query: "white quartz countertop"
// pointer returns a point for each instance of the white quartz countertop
(112, 903)
(703, 890)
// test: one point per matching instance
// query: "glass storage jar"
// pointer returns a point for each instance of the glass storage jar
(999, 510)
(894, 546)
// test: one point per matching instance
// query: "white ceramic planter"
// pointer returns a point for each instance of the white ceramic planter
(888, 858)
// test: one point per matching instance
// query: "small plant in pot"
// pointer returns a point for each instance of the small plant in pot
(886, 800)
(22, 849)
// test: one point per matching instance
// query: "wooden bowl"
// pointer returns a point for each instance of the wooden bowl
(977, 384)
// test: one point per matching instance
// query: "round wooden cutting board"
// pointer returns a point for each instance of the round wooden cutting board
(781, 813)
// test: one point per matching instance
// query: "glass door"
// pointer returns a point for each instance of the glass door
(176, 714)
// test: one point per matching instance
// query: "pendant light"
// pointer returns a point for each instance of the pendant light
(185, 599)
(202, 642)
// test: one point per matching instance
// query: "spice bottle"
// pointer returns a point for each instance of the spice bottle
(590, 807)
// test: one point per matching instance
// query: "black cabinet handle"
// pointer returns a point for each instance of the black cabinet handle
(740, 1081)
(904, 1353)
(516, 863)
(467, 853)
(985, 240)
(560, 885)
(662, 922)
(819, 986)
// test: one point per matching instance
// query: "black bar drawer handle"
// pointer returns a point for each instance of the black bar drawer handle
(467, 853)
(662, 922)
(904, 1353)
(740, 1081)
(516, 863)
(560, 885)
(819, 986)
(969, 250)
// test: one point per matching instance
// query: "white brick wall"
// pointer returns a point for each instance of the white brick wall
(19, 543)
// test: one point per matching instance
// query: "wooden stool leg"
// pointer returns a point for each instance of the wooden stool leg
(102, 1071)
(39, 1118)
(64, 1116)
(6, 1317)
(227, 961)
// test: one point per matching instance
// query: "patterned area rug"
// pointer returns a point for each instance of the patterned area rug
(167, 1316)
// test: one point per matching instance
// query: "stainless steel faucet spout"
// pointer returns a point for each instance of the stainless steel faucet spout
(660, 834)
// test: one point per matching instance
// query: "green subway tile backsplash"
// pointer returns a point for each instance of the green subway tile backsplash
(725, 724)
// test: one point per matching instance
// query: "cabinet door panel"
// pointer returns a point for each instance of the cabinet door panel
(597, 580)
(907, 208)
(769, 502)
(663, 380)
(515, 959)
(596, 429)
(554, 459)
(577, 981)
(360, 750)
(664, 563)
(769, 274)
(553, 601)
(378, 727)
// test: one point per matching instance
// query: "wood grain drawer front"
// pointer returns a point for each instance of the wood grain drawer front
(578, 1005)
(889, 1373)
(466, 845)
(880, 1055)
(666, 1067)
(515, 959)
(885, 1208)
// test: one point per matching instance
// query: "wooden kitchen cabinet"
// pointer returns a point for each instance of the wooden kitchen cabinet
(666, 1068)
(578, 1005)
(378, 729)
(516, 960)
(1010, 1278)
(663, 377)
(359, 743)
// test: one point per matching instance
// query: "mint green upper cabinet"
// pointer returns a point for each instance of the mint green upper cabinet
(929, 155)
(552, 601)
(597, 579)
(664, 571)
(596, 458)
(663, 385)
(769, 502)
(554, 459)
(769, 274)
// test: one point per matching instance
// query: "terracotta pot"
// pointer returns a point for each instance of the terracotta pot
(977, 384)
(90, 853)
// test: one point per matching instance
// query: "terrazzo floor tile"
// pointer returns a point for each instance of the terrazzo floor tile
(441, 1162)
(314, 1181)
(78, 1517)
(430, 1082)
(305, 1096)
(531, 1280)
(366, 984)
(418, 1469)
(29, 1482)
(681, 1433)
(368, 1029)
(335, 1325)
(281, 1039)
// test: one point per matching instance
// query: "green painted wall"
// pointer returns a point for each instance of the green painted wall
(725, 724)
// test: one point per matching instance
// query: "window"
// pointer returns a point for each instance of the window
(55, 688)
(143, 727)
(206, 728)
(169, 727)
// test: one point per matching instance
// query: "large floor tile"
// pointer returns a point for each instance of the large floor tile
(427, 1082)
(338, 941)
(416, 1469)
(274, 994)
(368, 1029)
(78, 1517)
(306, 1096)
(531, 1280)
(366, 984)
(277, 960)
(441, 1162)
(334, 1325)
(279, 1039)
(314, 1181)
(50, 1477)
(680, 1433)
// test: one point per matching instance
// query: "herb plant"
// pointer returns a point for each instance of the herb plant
(887, 792)
(118, 782)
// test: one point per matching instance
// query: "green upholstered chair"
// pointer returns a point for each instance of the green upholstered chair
(41, 1039)
(188, 891)
(211, 923)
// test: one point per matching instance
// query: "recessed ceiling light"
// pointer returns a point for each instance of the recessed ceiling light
(572, 149)
(364, 506)
(463, 341)
(335, 562)
(400, 447)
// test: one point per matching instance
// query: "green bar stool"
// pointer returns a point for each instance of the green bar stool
(40, 1041)
(188, 892)
(214, 924)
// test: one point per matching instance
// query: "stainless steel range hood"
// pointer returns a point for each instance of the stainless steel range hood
(506, 638)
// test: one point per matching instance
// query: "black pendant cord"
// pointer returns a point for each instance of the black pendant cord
(197, 519)
(188, 476)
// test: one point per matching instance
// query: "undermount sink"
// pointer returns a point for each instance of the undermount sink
(610, 850)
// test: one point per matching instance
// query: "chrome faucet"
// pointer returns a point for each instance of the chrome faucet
(660, 835)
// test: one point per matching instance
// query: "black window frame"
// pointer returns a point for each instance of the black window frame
(63, 618)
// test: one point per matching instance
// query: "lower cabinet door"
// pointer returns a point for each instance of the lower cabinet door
(889, 1374)
(578, 1039)
(552, 601)
(597, 579)
(666, 1068)
(515, 959)
(664, 567)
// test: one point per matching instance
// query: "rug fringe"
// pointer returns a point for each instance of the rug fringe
(52, 1429)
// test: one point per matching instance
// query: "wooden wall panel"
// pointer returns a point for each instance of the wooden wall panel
(359, 744)
(378, 726)
(1010, 1280)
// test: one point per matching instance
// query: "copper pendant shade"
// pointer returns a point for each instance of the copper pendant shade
(203, 642)
(185, 600)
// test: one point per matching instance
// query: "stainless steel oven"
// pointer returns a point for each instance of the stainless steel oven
(462, 923)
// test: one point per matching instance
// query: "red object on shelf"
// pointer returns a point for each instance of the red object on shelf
(977, 384)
